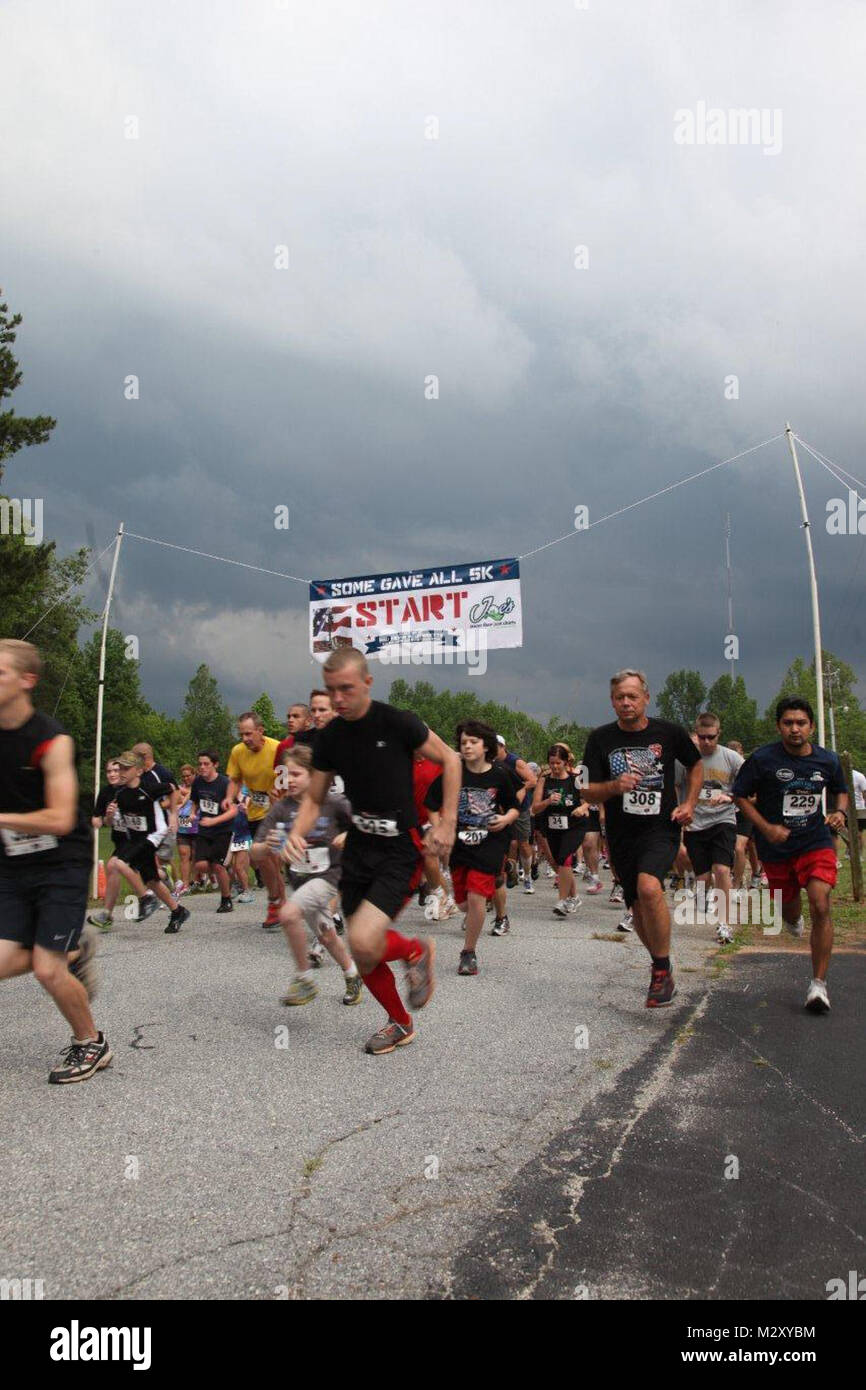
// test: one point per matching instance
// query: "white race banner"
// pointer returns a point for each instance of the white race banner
(437, 610)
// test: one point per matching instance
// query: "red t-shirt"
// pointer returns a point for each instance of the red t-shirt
(424, 773)
(284, 743)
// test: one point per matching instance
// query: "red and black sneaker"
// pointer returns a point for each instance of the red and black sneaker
(273, 917)
(662, 989)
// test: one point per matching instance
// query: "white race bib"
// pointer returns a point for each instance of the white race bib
(796, 805)
(707, 793)
(375, 825)
(558, 822)
(19, 842)
(260, 799)
(473, 835)
(208, 807)
(316, 861)
(642, 803)
(131, 822)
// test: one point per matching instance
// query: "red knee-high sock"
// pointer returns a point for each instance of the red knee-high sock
(383, 987)
(399, 947)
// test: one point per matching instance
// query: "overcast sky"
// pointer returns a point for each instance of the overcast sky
(264, 124)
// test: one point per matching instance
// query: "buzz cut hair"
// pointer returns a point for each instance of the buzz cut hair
(23, 655)
(629, 671)
(708, 720)
(346, 656)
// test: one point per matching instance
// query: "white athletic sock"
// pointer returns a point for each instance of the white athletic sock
(350, 973)
(304, 975)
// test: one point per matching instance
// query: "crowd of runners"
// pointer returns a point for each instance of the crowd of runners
(361, 806)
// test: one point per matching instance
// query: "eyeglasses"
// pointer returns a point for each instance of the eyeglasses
(707, 737)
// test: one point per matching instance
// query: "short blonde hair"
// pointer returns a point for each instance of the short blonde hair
(627, 673)
(347, 656)
(23, 655)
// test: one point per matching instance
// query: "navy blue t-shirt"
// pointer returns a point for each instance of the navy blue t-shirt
(789, 793)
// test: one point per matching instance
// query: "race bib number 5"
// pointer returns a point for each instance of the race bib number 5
(797, 805)
(642, 803)
(375, 825)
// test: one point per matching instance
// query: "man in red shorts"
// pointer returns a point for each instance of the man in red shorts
(371, 745)
(792, 833)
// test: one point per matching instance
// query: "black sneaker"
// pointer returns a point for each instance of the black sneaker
(510, 874)
(147, 906)
(423, 894)
(177, 919)
(226, 905)
(500, 926)
(81, 1060)
(468, 963)
(534, 871)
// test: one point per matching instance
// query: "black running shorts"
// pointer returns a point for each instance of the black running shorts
(651, 852)
(212, 849)
(744, 826)
(140, 856)
(382, 869)
(44, 907)
(714, 845)
(563, 844)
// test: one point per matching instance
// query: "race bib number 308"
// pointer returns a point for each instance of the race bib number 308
(375, 825)
(642, 803)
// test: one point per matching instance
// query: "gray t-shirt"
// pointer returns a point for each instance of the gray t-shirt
(323, 860)
(720, 770)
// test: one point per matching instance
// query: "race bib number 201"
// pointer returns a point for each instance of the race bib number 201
(642, 803)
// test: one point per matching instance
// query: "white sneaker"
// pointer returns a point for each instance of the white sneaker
(528, 885)
(797, 928)
(817, 999)
(560, 909)
(447, 908)
(626, 923)
(724, 935)
(573, 903)
(548, 872)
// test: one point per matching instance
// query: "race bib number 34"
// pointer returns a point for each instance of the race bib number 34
(642, 803)
(558, 822)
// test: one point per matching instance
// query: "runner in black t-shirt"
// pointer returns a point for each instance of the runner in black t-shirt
(789, 780)
(629, 765)
(371, 746)
(144, 824)
(563, 817)
(214, 835)
(45, 849)
(487, 808)
(104, 815)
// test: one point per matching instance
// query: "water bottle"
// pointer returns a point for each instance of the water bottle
(283, 833)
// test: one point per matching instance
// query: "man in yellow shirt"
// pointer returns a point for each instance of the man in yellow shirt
(251, 764)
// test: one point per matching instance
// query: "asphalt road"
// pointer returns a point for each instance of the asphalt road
(237, 1149)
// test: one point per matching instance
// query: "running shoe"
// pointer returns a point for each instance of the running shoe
(100, 919)
(391, 1036)
(617, 897)
(80, 1060)
(604, 862)
(796, 929)
(245, 897)
(674, 882)
(560, 909)
(300, 992)
(226, 905)
(593, 885)
(147, 906)
(500, 926)
(521, 873)
(549, 872)
(510, 874)
(84, 967)
(317, 956)
(817, 999)
(724, 935)
(468, 963)
(662, 989)
(420, 977)
(339, 924)
(181, 888)
(626, 923)
(354, 989)
(423, 895)
(572, 903)
(448, 909)
(756, 881)
(176, 920)
(534, 871)
(765, 882)
(528, 886)
(273, 916)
